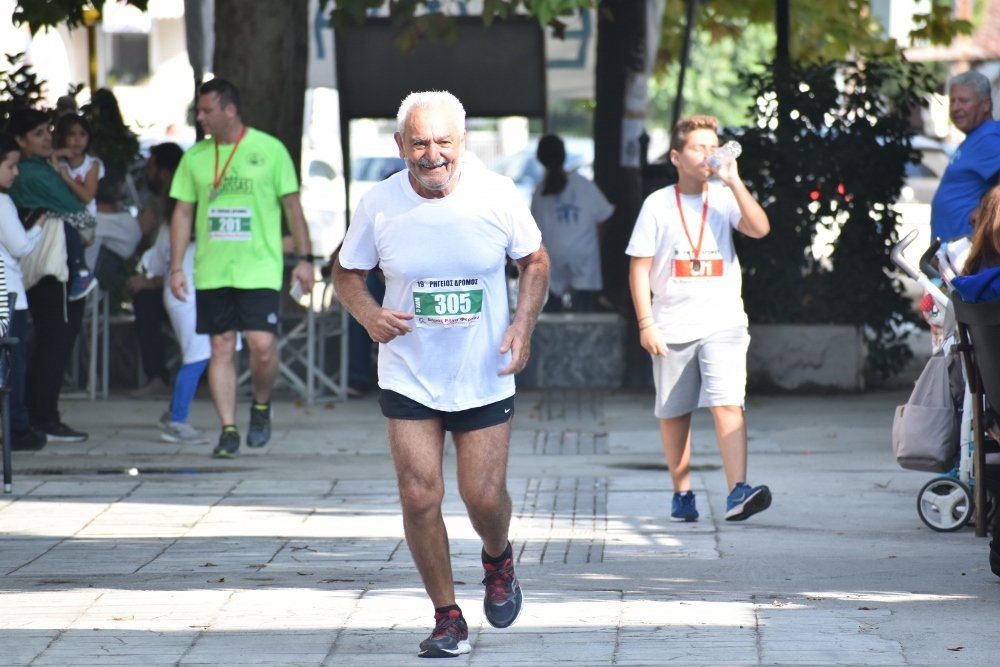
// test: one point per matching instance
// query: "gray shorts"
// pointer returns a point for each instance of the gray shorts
(708, 372)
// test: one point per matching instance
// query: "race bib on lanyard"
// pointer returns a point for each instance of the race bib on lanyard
(229, 224)
(708, 265)
(448, 302)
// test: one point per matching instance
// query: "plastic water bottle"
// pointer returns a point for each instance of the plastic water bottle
(724, 155)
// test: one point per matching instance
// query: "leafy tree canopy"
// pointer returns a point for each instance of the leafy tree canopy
(38, 14)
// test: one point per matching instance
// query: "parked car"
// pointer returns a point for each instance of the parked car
(368, 170)
(323, 198)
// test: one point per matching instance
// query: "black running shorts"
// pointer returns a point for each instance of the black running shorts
(397, 406)
(230, 309)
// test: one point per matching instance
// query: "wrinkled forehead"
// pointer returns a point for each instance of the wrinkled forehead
(433, 122)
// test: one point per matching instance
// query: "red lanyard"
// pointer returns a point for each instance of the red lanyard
(216, 176)
(696, 249)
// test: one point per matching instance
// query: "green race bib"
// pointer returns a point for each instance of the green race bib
(448, 302)
(229, 224)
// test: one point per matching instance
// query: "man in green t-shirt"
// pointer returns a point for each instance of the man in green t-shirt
(239, 180)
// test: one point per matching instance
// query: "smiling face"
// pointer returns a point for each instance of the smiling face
(432, 143)
(967, 110)
(36, 142)
(8, 169)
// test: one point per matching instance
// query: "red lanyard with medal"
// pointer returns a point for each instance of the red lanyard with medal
(695, 249)
(216, 176)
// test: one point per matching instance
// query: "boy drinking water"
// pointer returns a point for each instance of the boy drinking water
(686, 288)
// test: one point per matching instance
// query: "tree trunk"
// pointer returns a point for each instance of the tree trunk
(262, 47)
(620, 39)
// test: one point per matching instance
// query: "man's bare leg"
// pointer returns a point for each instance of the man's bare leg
(263, 363)
(222, 376)
(417, 449)
(482, 483)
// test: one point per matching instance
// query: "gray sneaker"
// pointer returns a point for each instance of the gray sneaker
(260, 425)
(184, 433)
(229, 445)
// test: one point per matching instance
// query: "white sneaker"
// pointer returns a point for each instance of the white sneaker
(183, 432)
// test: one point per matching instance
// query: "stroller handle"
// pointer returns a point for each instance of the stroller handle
(899, 259)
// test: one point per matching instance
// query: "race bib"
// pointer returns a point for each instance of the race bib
(447, 302)
(229, 224)
(709, 265)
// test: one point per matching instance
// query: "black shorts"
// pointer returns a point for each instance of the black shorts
(230, 309)
(397, 406)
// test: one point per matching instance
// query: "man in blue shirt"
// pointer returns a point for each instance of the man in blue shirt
(974, 167)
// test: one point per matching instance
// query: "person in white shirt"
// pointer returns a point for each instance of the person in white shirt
(570, 212)
(686, 288)
(15, 243)
(441, 233)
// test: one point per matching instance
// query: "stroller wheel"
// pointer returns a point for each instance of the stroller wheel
(945, 504)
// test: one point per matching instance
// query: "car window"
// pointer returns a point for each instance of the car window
(375, 168)
(320, 169)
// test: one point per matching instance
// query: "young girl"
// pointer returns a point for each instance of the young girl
(81, 173)
(15, 243)
(79, 169)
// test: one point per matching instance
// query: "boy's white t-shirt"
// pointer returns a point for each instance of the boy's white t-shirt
(691, 299)
(568, 221)
(444, 262)
(79, 174)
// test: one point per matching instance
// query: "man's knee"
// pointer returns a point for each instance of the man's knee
(263, 346)
(420, 497)
(224, 346)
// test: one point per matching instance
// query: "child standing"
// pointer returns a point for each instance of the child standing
(16, 242)
(694, 324)
(81, 173)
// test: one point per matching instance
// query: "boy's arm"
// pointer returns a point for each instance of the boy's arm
(753, 220)
(638, 281)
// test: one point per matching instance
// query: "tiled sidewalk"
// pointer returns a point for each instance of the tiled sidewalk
(128, 551)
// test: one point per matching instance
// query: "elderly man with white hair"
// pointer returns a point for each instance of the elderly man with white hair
(441, 232)
(975, 166)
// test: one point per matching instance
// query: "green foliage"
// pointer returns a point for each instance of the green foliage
(829, 150)
(416, 20)
(712, 85)
(20, 87)
(38, 14)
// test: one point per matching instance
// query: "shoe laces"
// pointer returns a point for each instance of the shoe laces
(446, 625)
(498, 580)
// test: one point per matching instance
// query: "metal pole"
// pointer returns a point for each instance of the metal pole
(685, 54)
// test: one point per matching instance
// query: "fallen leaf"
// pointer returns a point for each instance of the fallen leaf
(123, 618)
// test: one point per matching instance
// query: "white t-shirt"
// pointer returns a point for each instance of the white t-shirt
(183, 314)
(15, 243)
(79, 174)
(692, 298)
(443, 261)
(568, 221)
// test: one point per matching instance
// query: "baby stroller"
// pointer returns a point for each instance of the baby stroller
(954, 499)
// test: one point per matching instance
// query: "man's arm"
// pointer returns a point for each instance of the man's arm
(303, 271)
(180, 234)
(533, 286)
(382, 324)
